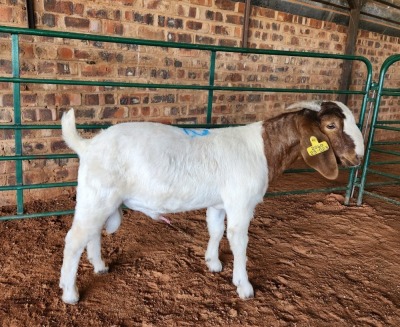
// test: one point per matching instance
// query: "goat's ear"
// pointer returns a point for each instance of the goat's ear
(318, 156)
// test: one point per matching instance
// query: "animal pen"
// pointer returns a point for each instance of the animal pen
(211, 86)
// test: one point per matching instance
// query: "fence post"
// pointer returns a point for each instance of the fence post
(17, 121)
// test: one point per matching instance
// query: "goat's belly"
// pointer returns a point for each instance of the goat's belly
(154, 206)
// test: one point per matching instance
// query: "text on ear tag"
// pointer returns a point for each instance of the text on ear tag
(317, 147)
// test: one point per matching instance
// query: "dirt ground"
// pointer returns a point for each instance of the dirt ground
(312, 262)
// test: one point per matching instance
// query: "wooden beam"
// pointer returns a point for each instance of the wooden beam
(30, 13)
(352, 3)
(246, 22)
(352, 33)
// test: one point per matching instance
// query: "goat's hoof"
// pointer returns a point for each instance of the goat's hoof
(214, 265)
(101, 271)
(245, 290)
(70, 296)
(70, 301)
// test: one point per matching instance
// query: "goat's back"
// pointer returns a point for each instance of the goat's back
(148, 161)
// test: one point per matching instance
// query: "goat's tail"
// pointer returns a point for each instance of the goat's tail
(70, 134)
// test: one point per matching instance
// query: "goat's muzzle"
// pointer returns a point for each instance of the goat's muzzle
(354, 161)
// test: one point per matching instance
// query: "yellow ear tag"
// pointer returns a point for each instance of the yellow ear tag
(316, 147)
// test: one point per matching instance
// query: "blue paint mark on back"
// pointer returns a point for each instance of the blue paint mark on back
(196, 132)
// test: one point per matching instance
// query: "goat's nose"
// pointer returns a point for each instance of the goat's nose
(359, 159)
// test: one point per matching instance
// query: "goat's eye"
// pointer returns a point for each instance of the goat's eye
(331, 126)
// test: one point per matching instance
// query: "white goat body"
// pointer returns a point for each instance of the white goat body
(159, 169)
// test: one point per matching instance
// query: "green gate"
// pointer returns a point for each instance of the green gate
(387, 148)
(18, 127)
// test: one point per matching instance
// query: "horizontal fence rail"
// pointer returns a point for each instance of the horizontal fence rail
(16, 80)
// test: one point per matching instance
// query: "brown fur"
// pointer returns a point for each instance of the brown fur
(287, 137)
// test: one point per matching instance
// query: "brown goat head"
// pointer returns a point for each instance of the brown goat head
(333, 123)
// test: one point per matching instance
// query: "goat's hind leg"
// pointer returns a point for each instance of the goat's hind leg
(216, 227)
(85, 232)
(94, 245)
(94, 254)
(75, 241)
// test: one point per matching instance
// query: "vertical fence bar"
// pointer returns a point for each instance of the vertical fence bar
(354, 171)
(385, 66)
(17, 121)
(211, 80)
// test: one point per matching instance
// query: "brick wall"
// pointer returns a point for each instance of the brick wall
(216, 22)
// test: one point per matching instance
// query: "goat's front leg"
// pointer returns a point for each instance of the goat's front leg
(238, 225)
(216, 227)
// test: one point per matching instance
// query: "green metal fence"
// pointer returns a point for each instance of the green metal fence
(18, 126)
(374, 146)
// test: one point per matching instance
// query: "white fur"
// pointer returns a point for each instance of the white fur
(158, 169)
(312, 105)
(351, 129)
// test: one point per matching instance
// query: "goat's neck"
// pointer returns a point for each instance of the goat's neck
(282, 143)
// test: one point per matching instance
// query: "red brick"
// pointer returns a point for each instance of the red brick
(284, 17)
(50, 5)
(5, 66)
(194, 25)
(79, 9)
(91, 99)
(234, 19)
(28, 99)
(50, 99)
(46, 68)
(6, 14)
(225, 4)
(65, 53)
(81, 54)
(202, 2)
(150, 33)
(58, 145)
(98, 70)
(192, 12)
(228, 43)
(145, 111)
(45, 114)
(76, 22)
(8, 100)
(109, 99)
(113, 112)
(93, 13)
(222, 30)
(110, 27)
(49, 20)
(5, 116)
(160, 6)
(63, 7)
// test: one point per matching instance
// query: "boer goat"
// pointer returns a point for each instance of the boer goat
(158, 169)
